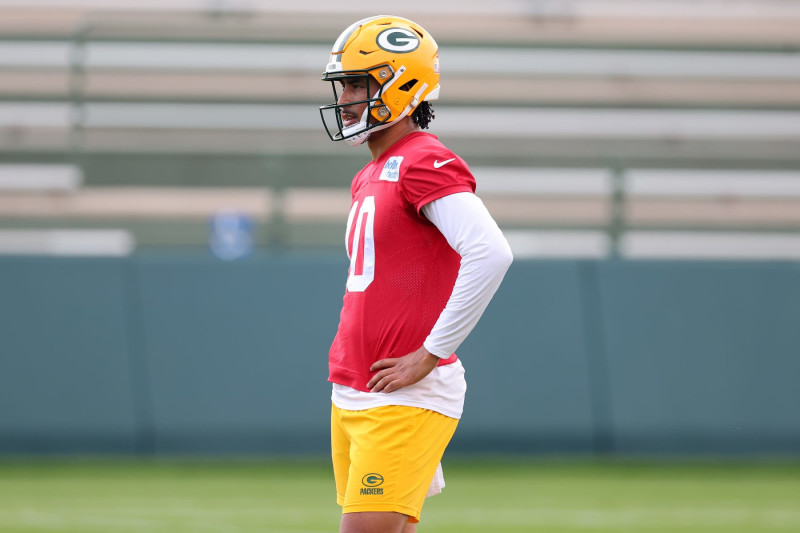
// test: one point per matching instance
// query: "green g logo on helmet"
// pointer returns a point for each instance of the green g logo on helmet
(398, 40)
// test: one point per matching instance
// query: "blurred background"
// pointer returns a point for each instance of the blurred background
(172, 217)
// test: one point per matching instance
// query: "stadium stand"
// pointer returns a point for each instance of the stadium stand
(583, 120)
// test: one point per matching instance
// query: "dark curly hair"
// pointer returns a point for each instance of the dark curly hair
(423, 115)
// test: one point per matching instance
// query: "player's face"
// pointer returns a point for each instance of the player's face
(354, 90)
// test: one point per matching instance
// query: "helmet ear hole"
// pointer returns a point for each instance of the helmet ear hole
(408, 86)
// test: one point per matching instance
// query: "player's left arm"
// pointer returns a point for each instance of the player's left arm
(485, 257)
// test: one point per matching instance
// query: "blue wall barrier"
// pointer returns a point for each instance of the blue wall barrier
(65, 358)
(703, 356)
(171, 354)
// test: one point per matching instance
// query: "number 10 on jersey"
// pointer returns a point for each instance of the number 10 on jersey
(360, 244)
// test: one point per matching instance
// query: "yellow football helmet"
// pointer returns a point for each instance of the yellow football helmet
(398, 55)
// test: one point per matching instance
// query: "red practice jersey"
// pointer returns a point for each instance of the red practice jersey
(402, 270)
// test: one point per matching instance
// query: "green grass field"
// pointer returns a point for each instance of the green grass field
(495, 496)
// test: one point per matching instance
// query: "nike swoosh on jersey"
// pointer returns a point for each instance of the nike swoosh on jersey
(437, 164)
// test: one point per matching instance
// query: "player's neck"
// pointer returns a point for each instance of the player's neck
(380, 141)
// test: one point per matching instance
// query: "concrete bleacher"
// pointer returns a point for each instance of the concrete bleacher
(567, 112)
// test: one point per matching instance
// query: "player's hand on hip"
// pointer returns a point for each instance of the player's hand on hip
(396, 373)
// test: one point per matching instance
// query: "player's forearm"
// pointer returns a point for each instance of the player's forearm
(471, 295)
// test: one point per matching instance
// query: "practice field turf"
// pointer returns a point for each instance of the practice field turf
(482, 496)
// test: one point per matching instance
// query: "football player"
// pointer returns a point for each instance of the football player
(426, 257)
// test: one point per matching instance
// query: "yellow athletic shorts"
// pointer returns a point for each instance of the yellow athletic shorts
(384, 459)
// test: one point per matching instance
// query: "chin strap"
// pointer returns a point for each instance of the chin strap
(362, 137)
(357, 140)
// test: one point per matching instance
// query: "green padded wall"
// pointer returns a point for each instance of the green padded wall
(183, 353)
